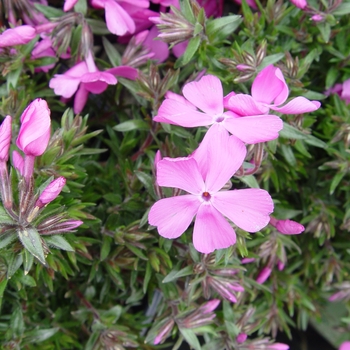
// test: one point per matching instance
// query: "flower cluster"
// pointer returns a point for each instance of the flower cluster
(220, 155)
(22, 219)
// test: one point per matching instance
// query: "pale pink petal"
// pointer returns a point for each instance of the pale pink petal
(69, 4)
(264, 275)
(17, 36)
(245, 105)
(80, 99)
(173, 96)
(345, 93)
(224, 155)
(124, 71)
(181, 173)
(99, 76)
(227, 98)
(269, 86)
(118, 21)
(345, 345)
(158, 47)
(64, 85)
(254, 129)
(299, 3)
(297, 106)
(249, 209)
(172, 216)
(211, 230)
(180, 48)
(18, 162)
(206, 94)
(174, 112)
(78, 70)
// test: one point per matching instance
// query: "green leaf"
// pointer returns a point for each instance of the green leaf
(81, 6)
(147, 278)
(325, 30)
(187, 11)
(271, 59)
(48, 11)
(7, 238)
(191, 338)
(28, 260)
(12, 78)
(58, 242)
(218, 26)
(112, 53)
(250, 180)
(173, 275)
(31, 240)
(40, 335)
(137, 251)
(106, 247)
(288, 155)
(341, 10)
(14, 264)
(3, 285)
(290, 132)
(191, 49)
(336, 180)
(314, 141)
(129, 125)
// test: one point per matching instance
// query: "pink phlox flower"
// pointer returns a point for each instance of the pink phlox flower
(17, 36)
(299, 3)
(83, 78)
(41, 49)
(345, 345)
(278, 346)
(241, 338)
(117, 14)
(69, 4)
(202, 175)
(51, 192)
(343, 90)
(287, 227)
(269, 91)
(203, 105)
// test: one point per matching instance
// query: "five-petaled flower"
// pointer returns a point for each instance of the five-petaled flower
(203, 175)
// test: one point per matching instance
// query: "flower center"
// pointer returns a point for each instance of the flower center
(206, 196)
(220, 119)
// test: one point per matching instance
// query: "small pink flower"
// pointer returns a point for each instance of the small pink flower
(203, 175)
(345, 346)
(287, 227)
(299, 3)
(51, 192)
(17, 36)
(41, 49)
(278, 346)
(5, 138)
(317, 18)
(85, 78)
(207, 95)
(264, 275)
(269, 91)
(34, 133)
(241, 338)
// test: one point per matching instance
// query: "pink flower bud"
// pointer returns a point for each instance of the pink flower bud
(345, 346)
(18, 162)
(264, 275)
(241, 338)
(5, 138)
(287, 227)
(34, 133)
(51, 192)
(317, 18)
(17, 36)
(247, 260)
(299, 3)
(278, 346)
(164, 331)
(209, 306)
(280, 265)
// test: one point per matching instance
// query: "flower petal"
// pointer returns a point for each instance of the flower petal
(206, 94)
(80, 99)
(254, 129)
(124, 71)
(245, 105)
(64, 85)
(249, 209)
(172, 216)
(180, 173)
(298, 105)
(211, 230)
(219, 156)
(118, 21)
(269, 86)
(175, 112)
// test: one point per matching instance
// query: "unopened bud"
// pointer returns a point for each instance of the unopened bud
(51, 192)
